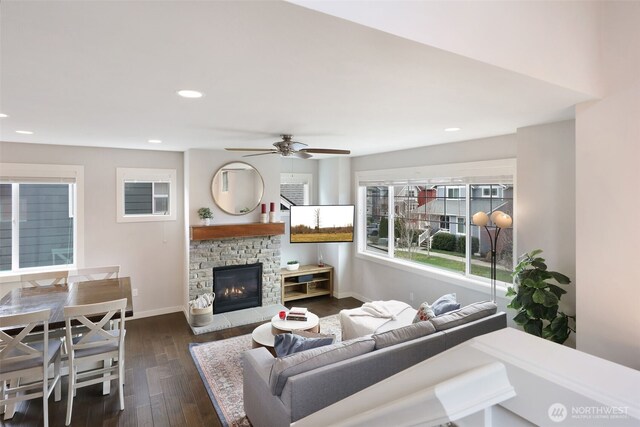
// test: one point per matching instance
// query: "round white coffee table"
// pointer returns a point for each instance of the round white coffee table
(311, 324)
(263, 335)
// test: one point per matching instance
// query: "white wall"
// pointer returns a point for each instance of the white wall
(608, 173)
(305, 253)
(546, 199)
(555, 41)
(151, 253)
(334, 188)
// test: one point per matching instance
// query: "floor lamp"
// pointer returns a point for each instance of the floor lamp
(500, 220)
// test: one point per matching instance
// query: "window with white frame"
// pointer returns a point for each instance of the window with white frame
(491, 191)
(39, 210)
(146, 194)
(437, 234)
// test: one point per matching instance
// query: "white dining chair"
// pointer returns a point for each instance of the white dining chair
(50, 278)
(94, 273)
(21, 360)
(95, 345)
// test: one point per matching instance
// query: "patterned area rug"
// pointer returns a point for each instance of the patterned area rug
(220, 367)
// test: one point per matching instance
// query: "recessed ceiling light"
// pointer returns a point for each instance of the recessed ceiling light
(25, 132)
(155, 141)
(190, 93)
(2, 115)
(452, 129)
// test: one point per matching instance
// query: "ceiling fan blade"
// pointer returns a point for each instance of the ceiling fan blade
(325, 151)
(250, 149)
(300, 155)
(261, 154)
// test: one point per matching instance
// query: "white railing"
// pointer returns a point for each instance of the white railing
(424, 236)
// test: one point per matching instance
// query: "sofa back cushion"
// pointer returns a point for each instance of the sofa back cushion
(466, 314)
(297, 363)
(406, 333)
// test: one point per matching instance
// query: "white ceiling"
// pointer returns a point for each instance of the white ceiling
(106, 74)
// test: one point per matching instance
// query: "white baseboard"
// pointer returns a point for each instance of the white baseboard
(157, 312)
(355, 295)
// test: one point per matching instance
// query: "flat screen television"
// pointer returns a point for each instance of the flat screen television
(322, 223)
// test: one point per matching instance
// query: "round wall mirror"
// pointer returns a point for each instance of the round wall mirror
(237, 188)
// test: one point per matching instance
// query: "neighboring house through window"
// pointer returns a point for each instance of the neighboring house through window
(40, 216)
(433, 230)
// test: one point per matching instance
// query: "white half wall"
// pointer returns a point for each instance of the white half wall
(151, 253)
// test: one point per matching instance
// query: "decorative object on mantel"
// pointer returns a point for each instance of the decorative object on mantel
(500, 220)
(228, 231)
(205, 216)
(263, 215)
(293, 265)
(537, 300)
(272, 212)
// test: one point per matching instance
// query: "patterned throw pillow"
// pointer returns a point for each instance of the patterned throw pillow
(425, 312)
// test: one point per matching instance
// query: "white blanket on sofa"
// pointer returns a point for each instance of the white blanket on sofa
(374, 316)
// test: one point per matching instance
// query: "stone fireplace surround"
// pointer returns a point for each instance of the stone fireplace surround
(204, 255)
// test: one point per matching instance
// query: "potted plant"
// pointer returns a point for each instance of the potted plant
(537, 300)
(205, 216)
(293, 265)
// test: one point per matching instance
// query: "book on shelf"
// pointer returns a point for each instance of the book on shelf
(297, 318)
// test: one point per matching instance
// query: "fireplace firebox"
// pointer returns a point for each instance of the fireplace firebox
(237, 287)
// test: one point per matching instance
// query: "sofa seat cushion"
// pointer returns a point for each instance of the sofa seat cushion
(405, 333)
(466, 314)
(297, 363)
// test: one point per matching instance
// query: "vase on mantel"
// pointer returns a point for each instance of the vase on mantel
(205, 221)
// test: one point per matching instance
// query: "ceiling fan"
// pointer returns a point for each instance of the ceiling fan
(289, 148)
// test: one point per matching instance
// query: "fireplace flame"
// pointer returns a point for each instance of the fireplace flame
(234, 292)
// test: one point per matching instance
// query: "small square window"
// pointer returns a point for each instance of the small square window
(146, 194)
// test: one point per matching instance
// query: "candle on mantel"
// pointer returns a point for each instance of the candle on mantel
(264, 208)
(272, 207)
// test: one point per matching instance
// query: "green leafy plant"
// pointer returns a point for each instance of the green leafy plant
(205, 213)
(537, 300)
(292, 262)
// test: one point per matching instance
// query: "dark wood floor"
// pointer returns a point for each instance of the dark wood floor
(163, 387)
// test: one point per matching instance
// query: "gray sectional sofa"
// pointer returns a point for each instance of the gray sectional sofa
(279, 391)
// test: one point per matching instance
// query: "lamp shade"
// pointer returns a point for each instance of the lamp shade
(480, 219)
(503, 220)
(495, 214)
